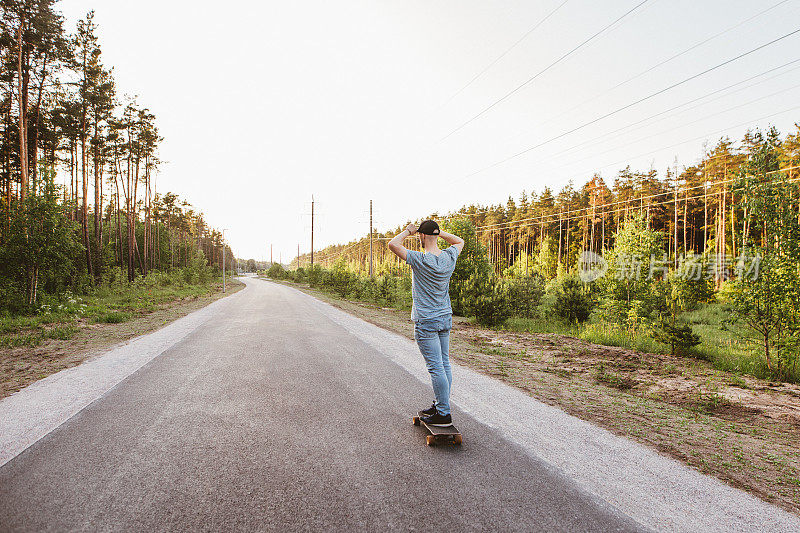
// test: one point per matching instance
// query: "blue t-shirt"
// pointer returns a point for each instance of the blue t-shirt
(430, 285)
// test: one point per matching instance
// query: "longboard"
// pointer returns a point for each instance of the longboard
(438, 434)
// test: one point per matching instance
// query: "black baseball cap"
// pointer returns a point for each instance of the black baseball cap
(429, 227)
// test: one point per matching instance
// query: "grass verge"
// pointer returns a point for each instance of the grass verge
(65, 334)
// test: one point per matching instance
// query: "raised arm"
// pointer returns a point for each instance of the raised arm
(396, 244)
(455, 240)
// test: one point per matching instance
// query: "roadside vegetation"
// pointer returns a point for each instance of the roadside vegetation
(69, 327)
(672, 322)
(112, 303)
(656, 265)
(739, 428)
(672, 315)
(90, 252)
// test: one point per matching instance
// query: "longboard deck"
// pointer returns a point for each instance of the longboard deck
(439, 434)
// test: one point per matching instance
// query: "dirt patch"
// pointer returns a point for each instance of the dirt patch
(740, 429)
(20, 366)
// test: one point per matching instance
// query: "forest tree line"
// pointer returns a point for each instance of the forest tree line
(723, 233)
(78, 167)
(700, 209)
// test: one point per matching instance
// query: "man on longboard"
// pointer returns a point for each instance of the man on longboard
(431, 310)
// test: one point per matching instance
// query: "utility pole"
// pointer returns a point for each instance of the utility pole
(223, 258)
(705, 205)
(312, 230)
(298, 255)
(677, 189)
(270, 255)
(370, 239)
(560, 224)
(675, 229)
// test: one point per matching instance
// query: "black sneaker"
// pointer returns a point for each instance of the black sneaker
(429, 411)
(438, 420)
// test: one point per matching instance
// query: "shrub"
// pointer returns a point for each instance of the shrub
(670, 301)
(487, 300)
(546, 259)
(691, 282)
(387, 290)
(314, 275)
(471, 262)
(341, 280)
(190, 276)
(525, 295)
(628, 285)
(276, 271)
(679, 337)
(299, 275)
(573, 300)
(114, 275)
(38, 249)
(12, 297)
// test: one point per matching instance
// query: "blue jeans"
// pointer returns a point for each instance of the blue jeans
(433, 340)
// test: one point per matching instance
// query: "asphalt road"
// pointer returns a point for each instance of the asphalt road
(272, 416)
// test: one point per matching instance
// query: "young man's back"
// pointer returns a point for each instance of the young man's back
(430, 288)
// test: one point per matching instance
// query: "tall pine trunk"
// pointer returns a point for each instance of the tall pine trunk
(97, 196)
(22, 87)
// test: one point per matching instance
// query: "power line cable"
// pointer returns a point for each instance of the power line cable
(548, 67)
(540, 219)
(613, 211)
(693, 122)
(599, 209)
(486, 210)
(501, 56)
(705, 136)
(700, 137)
(605, 136)
(664, 62)
(640, 100)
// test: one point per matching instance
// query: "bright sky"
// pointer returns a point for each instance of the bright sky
(264, 103)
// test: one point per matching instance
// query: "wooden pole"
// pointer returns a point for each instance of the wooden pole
(371, 271)
(312, 230)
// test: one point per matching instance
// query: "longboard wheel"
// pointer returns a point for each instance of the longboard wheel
(457, 439)
(430, 440)
(416, 420)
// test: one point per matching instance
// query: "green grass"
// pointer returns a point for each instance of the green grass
(541, 325)
(722, 343)
(727, 346)
(609, 335)
(114, 317)
(708, 402)
(63, 333)
(24, 339)
(57, 318)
